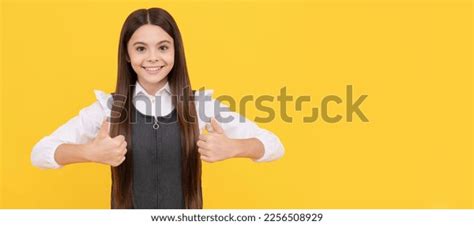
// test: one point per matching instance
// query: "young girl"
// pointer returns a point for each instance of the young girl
(149, 130)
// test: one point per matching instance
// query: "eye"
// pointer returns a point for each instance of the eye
(163, 48)
(140, 49)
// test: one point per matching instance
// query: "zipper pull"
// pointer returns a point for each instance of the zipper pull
(156, 125)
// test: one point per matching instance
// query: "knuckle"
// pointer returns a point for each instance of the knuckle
(120, 138)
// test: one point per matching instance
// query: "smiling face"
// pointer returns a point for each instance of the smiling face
(151, 55)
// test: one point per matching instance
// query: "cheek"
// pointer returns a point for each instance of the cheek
(136, 61)
(169, 58)
(135, 65)
(134, 57)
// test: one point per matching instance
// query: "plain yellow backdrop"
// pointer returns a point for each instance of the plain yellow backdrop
(412, 58)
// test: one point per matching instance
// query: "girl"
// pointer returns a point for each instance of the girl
(148, 131)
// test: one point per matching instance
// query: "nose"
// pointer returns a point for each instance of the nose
(153, 57)
(152, 60)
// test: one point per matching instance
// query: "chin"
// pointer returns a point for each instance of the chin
(153, 79)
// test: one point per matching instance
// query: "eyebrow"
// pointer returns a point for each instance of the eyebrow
(143, 43)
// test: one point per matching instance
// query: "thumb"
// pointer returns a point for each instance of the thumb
(104, 129)
(216, 127)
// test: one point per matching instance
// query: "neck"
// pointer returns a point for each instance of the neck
(151, 88)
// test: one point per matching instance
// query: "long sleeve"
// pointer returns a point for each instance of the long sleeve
(78, 130)
(236, 126)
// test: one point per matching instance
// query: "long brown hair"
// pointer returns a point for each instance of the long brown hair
(121, 193)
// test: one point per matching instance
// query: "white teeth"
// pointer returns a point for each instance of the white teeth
(152, 68)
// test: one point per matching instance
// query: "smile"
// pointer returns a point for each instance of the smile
(153, 69)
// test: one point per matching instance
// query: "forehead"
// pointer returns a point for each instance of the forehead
(150, 34)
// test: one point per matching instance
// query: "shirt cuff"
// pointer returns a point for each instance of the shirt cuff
(273, 149)
(49, 153)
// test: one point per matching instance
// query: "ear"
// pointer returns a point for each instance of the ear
(127, 58)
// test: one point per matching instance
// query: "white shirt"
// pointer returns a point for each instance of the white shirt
(84, 127)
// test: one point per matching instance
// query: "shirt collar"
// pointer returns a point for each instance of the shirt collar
(139, 90)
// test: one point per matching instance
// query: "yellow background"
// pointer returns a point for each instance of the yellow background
(412, 58)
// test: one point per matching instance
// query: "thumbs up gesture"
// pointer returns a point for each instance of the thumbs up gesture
(106, 150)
(215, 145)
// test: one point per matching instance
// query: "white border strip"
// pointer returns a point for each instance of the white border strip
(329, 217)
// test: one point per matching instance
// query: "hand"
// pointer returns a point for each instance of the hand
(215, 145)
(106, 150)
